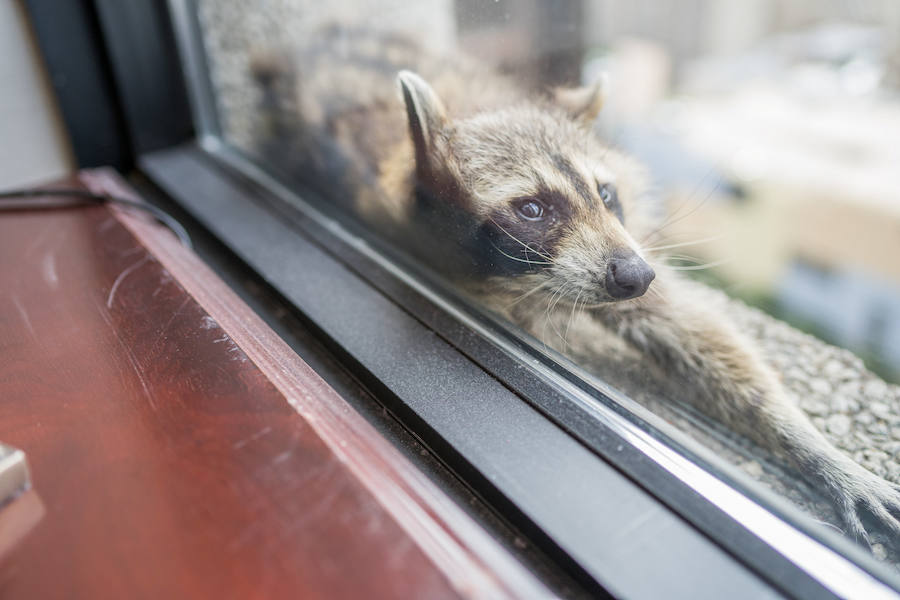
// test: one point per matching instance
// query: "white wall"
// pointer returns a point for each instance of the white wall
(34, 146)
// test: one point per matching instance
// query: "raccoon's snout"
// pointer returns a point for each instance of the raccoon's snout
(627, 275)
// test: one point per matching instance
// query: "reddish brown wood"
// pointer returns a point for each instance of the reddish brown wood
(17, 518)
(153, 407)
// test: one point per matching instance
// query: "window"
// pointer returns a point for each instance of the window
(766, 138)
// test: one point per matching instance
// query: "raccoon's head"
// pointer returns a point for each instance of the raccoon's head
(528, 190)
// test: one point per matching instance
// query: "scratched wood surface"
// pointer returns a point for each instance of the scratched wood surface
(169, 463)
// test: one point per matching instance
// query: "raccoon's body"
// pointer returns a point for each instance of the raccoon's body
(517, 200)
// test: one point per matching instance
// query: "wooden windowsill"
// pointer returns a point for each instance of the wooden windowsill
(183, 450)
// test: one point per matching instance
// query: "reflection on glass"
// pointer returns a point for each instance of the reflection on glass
(484, 140)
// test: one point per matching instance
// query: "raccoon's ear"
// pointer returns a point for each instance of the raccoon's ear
(424, 110)
(582, 103)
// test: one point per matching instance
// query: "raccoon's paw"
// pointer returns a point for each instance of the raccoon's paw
(870, 508)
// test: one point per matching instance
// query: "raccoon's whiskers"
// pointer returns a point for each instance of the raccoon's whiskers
(692, 195)
(528, 293)
(526, 246)
(654, 292)
(672, 220)
(524, 260)
(683, 258)
(547, 317)
(681, 244)
(572, 316)
(557, 291)
(671, 236)
(708, 265)
(552, 307)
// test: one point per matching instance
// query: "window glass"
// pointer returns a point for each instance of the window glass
(698, 202)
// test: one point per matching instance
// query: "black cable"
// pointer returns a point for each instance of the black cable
(91, 198)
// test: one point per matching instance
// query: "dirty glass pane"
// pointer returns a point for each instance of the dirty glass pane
(698, 202)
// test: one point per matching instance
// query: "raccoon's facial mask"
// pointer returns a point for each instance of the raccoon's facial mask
(588, 259)
(523, 236)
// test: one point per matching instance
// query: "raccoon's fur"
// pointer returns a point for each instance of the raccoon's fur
(519, 202)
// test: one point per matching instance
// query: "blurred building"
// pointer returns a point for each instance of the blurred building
(774, 126)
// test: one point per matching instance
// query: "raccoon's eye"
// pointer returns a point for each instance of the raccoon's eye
(608, 194)
(610, 198)
(531, 209)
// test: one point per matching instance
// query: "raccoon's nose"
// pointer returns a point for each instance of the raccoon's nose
(627, 276)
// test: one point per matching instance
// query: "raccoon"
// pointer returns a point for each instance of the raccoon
(513, 196)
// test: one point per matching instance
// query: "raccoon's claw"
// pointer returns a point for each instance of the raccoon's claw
(870, 508)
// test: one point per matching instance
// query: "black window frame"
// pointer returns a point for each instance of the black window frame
(510, 404)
